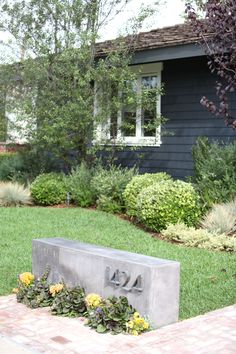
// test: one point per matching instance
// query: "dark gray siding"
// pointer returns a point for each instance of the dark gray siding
(186, 81)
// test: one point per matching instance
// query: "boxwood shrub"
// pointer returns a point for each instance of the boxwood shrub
(49, 189)
(168, 202)
(136, 185)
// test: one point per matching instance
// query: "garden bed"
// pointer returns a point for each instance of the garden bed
(207, 278)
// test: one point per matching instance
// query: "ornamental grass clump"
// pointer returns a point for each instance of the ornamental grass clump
(168, 202)
(221, 219)
(136, 185)
(14, 194)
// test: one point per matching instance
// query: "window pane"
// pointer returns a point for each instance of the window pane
(149, 82)
(129, 97)
(113, 111)
(129, 123)
(113, 126)
(149, 85)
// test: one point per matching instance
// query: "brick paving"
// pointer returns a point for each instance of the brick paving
(23, 330)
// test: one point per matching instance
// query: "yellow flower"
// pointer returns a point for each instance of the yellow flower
(135, 333)
(54, 289)
(131, 324)
(93, 300)
(137, 324)
(15, 290)
(26, 278)
(136, 315)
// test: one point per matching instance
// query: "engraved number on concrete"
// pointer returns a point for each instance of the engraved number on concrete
(121, 279)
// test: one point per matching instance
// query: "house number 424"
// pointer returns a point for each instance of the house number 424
(122, 280)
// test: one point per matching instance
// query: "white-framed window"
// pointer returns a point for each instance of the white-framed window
(132, 125)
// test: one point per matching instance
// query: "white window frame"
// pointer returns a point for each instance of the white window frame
(102, 132)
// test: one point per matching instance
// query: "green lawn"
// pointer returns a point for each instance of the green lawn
(208, 279)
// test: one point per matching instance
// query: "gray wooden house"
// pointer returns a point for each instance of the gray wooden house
(172, 56)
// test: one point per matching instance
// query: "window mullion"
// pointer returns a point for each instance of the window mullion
(158, 129)
(139, 110)
(119, 118)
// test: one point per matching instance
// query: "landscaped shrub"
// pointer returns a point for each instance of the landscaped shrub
(11, 166)
(24, 166)
(14, 194)
(49, 189)
(136, 185)
(215, 171)
(6, 155)
(221, 219)
(79, 185)
(108, 204)
(191, 237)
(168, 202)
(109, 185)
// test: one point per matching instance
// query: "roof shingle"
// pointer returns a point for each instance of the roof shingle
(158, 38)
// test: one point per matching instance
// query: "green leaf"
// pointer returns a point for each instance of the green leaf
(101, 329)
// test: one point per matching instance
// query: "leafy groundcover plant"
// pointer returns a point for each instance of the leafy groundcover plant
(191, 237)
(114, 314)
(33, 292)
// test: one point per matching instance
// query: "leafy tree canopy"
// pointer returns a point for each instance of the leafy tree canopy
(50, 91)
(217, 34)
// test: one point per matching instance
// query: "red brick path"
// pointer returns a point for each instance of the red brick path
(40, 332)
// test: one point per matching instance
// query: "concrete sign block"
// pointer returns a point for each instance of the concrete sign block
(150, 284)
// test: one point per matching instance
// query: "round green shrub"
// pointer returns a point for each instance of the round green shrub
(48, 189)
(168, 202)
(136, 185)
